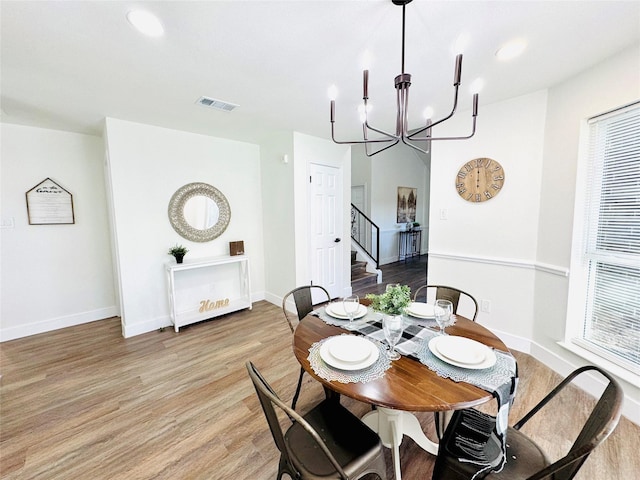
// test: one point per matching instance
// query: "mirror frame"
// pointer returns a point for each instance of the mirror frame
(179, 222)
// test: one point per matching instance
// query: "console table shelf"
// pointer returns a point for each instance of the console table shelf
(204, 288)
(409, 244)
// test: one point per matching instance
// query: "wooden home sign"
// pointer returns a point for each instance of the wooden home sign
(49, 204)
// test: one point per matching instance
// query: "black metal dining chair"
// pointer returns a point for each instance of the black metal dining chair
(524, 458)
(303, 300)
(461, 300)
(328, 442)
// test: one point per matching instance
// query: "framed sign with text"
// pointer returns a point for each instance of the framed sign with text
(49, 204)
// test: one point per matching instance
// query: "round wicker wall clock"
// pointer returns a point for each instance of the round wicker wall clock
(480, 180)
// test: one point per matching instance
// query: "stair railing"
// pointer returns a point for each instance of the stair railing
(366, 234)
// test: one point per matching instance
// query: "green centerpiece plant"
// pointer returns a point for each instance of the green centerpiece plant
(393, 301)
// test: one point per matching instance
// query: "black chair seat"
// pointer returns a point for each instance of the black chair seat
(353, 444)
(523, 457)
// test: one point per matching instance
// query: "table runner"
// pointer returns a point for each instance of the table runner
(416, 329)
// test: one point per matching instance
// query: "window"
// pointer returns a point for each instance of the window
(610, 254)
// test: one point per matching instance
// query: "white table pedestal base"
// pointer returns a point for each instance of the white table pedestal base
(391, 425)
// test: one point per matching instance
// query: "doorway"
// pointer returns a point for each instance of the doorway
(326, 228)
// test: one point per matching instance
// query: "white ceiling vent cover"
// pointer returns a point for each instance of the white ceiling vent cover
(217, 104)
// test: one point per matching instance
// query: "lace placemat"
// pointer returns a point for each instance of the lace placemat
(329, 373)
(487, 378)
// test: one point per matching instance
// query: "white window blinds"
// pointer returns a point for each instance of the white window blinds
(612, 238)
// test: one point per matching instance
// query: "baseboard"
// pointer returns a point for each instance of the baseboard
(560, 365)
(48, 325)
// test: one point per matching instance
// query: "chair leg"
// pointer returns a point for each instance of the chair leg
(297, 394)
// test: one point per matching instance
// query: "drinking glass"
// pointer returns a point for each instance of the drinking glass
(393, 325)
(351, 305)
(443, 311)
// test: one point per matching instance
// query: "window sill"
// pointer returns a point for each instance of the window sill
(614, 369)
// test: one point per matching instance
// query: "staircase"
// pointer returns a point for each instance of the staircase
(359, 276)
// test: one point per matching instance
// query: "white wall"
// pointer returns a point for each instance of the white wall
(488, 249)
(53, 276)
(147, 165)
(400, 166)
(278, 214)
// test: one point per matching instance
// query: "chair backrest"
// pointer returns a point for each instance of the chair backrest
(303, 299)
(461, 300)
(269, 400)
(601, 422)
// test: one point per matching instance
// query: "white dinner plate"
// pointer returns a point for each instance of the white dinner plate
(339, 345)
(421, 310)
(336, 309)
(462, 352)
(350, 349)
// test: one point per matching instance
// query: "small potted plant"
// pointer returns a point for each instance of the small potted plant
(179, 252)
(392, 302)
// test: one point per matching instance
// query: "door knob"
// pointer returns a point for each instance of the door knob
(337, 240)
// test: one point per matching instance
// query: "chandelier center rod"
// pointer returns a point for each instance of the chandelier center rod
(403, 23)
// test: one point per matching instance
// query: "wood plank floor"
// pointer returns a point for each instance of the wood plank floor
(85, 403)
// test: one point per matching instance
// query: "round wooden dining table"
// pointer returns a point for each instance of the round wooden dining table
(407, 386)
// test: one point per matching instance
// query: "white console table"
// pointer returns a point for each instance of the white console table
(204, 288)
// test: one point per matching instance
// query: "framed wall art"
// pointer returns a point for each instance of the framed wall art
(407, 201)
(49, 204)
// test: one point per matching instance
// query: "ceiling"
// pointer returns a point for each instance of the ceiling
(67, 65)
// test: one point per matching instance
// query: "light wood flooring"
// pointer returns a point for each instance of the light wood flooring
(85, 403)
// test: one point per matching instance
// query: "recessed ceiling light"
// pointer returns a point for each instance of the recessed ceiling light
(145, 23)
(511, 50)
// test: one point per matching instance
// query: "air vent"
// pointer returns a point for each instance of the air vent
(217, 104)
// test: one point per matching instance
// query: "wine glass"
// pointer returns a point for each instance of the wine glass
(351, 305)
(393, 325)
(443, 311)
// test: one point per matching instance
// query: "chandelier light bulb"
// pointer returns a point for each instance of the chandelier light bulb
(476, 86)
(367, 59)
(461, 43)
(363, 111)
(362, 114)
(332, 92)
(428, 113)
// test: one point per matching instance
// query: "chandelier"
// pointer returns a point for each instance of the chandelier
(421, 136)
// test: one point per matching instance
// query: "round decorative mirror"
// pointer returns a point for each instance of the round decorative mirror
(199, 212)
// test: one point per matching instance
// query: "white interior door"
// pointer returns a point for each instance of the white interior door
(326, 231)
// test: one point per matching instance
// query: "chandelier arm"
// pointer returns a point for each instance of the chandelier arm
(415, 147)
(473, 131)
(365, 141)
(366, 151)
(382, 132)
(453, 111)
